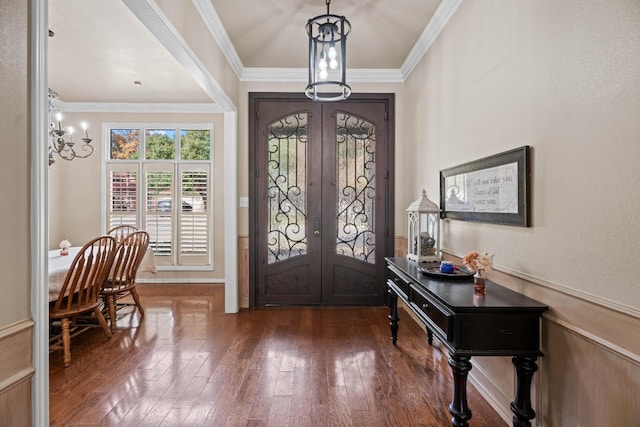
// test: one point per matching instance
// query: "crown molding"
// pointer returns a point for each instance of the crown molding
(219, 34)
(274, 75)
(374, 75)
(129, 107)
(438, 21)
(354, 75)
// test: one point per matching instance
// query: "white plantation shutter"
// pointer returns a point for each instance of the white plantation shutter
(160, 231)
(159, 216)
(195, 232)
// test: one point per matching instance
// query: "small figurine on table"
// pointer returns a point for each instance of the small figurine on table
(64, 247)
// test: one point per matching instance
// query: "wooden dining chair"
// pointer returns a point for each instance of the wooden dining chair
(80, 293)
(121, 280)
(119, 232)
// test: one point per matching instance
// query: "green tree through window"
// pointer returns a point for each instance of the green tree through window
(195, 144)
(160, 144)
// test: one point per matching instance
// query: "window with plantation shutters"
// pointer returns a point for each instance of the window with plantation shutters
(122, 196)
(159, 180)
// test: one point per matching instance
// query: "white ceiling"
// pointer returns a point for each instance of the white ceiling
(101, 47)
(271, 33)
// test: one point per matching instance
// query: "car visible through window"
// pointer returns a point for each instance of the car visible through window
(164, 205)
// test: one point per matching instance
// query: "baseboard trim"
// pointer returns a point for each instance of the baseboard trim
(184, 281)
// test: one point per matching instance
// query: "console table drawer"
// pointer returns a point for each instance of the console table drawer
(437, 315)
(400, 282)
(509, 333)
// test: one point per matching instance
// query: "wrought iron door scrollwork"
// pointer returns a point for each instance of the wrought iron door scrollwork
(355, 173)
(287, 200)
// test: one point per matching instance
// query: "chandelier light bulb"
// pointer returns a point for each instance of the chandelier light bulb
(324, 74)
(322, 64)
(332, 52)
(58, 142)
(333, 63)
(70, 142)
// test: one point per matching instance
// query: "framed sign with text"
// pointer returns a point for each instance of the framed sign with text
(493, 189)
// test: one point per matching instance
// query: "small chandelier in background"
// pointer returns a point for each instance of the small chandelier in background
(327, 57)
(65, 148)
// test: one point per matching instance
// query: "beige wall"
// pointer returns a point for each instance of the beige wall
(76, 194)
(16, 326)
(14, 164)
(564, 78)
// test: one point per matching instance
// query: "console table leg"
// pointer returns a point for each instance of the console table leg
(460, 366)
(393, 315)
(429, 337)
(521, 406)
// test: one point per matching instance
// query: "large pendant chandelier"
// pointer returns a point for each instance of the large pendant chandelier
(61, 138)
(327, 57)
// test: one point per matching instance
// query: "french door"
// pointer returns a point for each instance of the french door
(321, 201)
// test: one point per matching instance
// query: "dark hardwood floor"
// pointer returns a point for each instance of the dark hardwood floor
(186, 363)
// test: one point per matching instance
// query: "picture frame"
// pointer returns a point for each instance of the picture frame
(494, 189)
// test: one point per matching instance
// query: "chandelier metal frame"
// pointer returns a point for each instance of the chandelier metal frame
(327, 57)
(65, 148)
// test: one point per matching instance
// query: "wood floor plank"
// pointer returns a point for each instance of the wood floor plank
(134, 409)
(198, 414)
(157, 414)
(187, 363)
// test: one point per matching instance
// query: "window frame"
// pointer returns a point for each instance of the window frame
(177, 165)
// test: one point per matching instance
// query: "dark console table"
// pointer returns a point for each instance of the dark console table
(500, 323)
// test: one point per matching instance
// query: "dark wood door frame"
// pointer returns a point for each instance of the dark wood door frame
(254, 100)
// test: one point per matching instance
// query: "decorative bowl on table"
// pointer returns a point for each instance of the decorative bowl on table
(459, 272)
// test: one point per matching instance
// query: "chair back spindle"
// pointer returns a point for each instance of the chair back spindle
(119, 232)
(128, 256)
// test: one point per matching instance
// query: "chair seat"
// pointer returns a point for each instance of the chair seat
(62, 313)
(117, 286)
